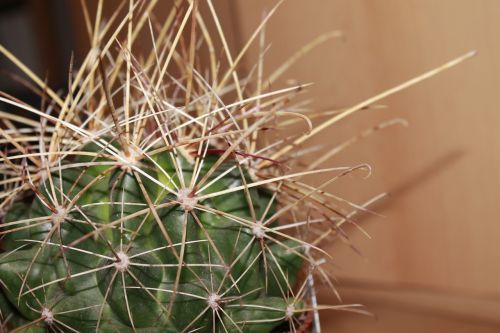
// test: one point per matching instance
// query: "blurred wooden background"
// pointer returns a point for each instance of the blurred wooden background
(433, 262)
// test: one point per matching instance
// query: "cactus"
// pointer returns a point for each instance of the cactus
(103, 246)
(147, 201)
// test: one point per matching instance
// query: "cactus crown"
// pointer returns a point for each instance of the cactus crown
(146, 201)
(149, 198)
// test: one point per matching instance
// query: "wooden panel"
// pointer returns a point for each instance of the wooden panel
(441, 230)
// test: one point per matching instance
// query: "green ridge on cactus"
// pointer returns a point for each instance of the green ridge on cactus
(118, 264)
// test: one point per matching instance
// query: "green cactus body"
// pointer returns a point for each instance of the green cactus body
(130, 251)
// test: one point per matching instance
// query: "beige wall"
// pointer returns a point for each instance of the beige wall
(433, 263)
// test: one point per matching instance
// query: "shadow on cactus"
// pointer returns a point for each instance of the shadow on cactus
(153, 196)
